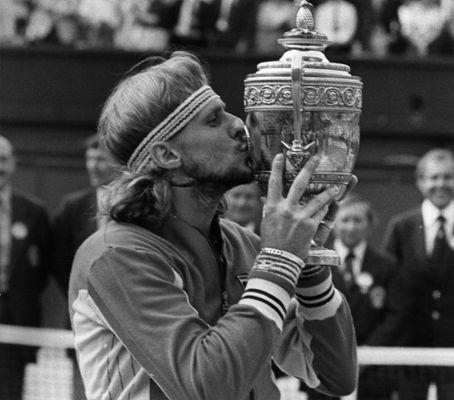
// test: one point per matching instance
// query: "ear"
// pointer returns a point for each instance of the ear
(165, 155)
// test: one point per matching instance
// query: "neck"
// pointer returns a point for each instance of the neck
(197, 205)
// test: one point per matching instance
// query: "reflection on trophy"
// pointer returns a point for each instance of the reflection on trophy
(300, 105)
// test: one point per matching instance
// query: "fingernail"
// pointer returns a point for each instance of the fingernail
(334, 189)
(315, 159)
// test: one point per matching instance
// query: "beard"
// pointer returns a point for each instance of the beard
(223, 178)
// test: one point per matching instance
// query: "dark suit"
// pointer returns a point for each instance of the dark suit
(372, 312)
(73, 222)
(28, 274)
(428, 295)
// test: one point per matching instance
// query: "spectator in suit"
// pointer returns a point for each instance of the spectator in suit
(244, 206)
(76, 217)
(24, 239)
(75, 220)
(422, 241)
(366, 277)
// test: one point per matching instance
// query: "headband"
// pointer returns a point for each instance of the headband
(171, 125)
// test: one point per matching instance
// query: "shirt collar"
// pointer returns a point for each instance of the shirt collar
(5, 196)
(343, 250)
(430, 213)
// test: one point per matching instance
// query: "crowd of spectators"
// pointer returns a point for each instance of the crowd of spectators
(354, 27)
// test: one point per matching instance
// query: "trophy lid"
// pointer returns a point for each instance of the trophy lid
(323, 84)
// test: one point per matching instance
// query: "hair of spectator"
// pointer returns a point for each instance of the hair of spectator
(92, 142)
(354, 198)
(438, 155)
(138, 104)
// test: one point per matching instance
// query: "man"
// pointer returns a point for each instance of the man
(24, 238)
(422, 242)
(244, 206)
(366, 276)
(76, 217)
(75, 220)
(169, 302)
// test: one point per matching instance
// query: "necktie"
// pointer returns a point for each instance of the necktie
(441, 249)
(348, 272)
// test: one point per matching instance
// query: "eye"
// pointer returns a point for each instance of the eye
(213, 119)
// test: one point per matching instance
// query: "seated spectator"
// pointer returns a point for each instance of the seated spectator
(274, 17)
(24, 242)
(196, 23)
(236, 25)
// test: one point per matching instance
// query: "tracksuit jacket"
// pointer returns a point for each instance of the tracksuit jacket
(160, 315)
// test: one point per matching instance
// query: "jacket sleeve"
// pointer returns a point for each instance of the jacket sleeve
(142, 299)
(392, 241)
(318, 344)
(62, 251)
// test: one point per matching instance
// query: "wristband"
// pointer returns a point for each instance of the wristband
(284, 254)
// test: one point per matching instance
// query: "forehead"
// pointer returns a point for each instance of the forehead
(353, 210)
(435, 167)
(5, 148)
(95, 152)
(212, 106)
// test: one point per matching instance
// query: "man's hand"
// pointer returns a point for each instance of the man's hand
(286, 224)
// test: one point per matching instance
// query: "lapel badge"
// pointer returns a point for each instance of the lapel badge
(19, 230)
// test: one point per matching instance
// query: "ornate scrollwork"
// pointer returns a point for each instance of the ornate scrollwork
(279, 95)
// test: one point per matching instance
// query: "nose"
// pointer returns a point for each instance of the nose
(240, 133)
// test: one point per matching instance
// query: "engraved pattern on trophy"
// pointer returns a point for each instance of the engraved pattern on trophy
(303, 104)
(314, 97)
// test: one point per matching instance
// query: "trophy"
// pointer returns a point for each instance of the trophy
(301, 105)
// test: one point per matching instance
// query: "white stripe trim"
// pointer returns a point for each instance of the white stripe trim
(325, 311)
(315, 290)
(265, 309)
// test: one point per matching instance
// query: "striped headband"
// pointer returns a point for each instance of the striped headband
(171, 125)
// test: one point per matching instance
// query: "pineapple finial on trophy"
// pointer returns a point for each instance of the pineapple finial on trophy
(304, 17)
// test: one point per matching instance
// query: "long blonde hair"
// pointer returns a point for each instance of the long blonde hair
(136, 106)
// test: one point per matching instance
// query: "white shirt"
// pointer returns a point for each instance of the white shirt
(359, 250)
(5, 237)
(430, 214)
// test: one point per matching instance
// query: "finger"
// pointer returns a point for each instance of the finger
(323, 231)
(320, 214)
(300, 183)
(332, 212)
(275, 181)
(316, 203)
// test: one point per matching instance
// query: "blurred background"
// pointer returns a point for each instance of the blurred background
(59, 59)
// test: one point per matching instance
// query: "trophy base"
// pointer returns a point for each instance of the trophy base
(322, 256)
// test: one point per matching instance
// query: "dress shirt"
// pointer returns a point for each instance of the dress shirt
(359, 251)
(430, 213)
(5, 237)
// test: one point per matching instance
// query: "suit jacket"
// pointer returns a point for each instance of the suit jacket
(369, 304)
(73, 222)
(428, 300)
(30, 234)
